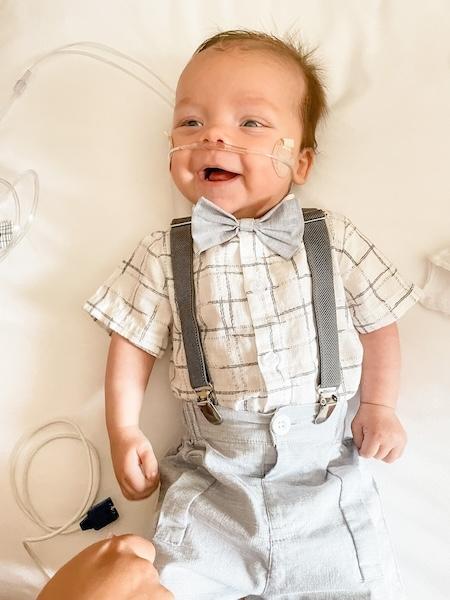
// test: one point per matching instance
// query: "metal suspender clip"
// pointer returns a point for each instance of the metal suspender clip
(206, 400)
(327, 400)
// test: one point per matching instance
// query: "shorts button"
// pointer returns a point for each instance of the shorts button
(280, 425)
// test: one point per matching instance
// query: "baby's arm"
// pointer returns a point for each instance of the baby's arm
(376, 429)
(127, 373)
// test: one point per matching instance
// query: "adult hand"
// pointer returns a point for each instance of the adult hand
(120, 567)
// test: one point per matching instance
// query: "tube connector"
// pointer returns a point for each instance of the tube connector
(22, 83)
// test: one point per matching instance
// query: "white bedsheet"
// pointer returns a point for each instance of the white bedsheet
(95, 137)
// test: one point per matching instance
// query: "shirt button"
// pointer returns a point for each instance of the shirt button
(280, 425)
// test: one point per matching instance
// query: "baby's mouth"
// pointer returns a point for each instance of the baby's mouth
(217, 174)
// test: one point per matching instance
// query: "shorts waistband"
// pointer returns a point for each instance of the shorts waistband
(290, 423)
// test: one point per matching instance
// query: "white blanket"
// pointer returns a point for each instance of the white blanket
(95, 138)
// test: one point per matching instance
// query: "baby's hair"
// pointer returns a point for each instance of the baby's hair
(313, 106)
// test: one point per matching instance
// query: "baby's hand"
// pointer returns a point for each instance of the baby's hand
(134, 462)
(378, 433)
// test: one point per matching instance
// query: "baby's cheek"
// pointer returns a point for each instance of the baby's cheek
(184, 179)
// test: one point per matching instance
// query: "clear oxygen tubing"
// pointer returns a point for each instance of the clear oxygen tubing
(22, 83)
(282, 152)
(19, 230)
(22, 495)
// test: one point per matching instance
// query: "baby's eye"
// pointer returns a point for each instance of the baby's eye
(188, 122)
(258, 124)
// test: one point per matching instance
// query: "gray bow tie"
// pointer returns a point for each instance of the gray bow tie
(280, 229)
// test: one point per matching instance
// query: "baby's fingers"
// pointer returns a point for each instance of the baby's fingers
(390, 446)
(383, 451)
(148, 462)
(393, 454)
(370, 446)
(357, 433)
(134, 478)
(131, 492)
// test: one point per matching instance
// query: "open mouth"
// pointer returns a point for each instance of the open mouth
(217, 174)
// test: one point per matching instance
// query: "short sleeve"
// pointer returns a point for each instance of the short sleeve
(376, 294)
(134, 300)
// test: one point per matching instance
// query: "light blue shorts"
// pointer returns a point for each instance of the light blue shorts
(271, 506)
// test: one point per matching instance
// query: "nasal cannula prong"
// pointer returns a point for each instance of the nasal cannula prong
(287, 144)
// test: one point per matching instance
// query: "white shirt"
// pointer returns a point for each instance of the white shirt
(255, 313)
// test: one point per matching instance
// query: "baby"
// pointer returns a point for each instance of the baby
(266, 500)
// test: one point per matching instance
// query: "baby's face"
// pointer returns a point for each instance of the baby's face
(245, 98)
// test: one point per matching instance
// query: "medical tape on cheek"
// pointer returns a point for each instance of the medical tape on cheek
(171, 146)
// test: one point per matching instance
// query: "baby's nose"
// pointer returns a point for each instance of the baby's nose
(215, 138)
(214, 133)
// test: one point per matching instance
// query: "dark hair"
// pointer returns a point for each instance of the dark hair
(313, 105)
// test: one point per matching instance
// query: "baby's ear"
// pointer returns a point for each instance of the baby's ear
(303, 165)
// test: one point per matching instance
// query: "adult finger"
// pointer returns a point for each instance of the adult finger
(137, 544)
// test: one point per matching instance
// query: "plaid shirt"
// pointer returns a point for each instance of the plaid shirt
(255, 313)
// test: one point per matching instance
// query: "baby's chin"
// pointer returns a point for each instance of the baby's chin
(240, 210)
(225, 205)
(230, 205)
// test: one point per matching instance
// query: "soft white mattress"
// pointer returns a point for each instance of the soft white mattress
(96, 139)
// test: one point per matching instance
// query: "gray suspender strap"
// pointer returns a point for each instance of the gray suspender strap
(318, 252)
(318, 255)
(183, 278)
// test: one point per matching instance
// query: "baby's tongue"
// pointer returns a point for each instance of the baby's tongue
(220, 175)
